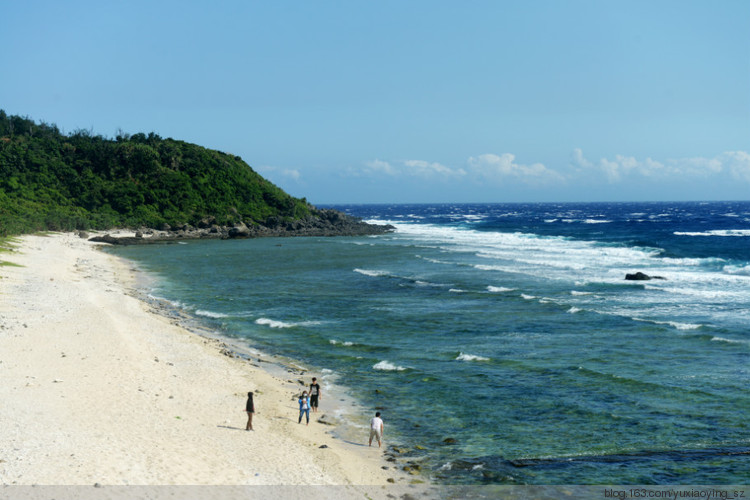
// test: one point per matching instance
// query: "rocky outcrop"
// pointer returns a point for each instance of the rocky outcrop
(322, 223)
(639, 276)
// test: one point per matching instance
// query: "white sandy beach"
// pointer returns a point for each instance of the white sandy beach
(98, 389)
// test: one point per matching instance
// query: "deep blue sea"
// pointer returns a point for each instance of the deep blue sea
(501, 341)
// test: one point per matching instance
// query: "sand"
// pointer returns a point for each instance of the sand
(97, 388)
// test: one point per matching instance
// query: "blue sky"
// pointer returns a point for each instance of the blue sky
(409, 101)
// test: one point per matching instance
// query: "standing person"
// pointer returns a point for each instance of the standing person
(376, 429)
(314, 394)
(250, 409)
(304, 407)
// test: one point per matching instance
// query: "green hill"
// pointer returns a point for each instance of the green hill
(53, 181)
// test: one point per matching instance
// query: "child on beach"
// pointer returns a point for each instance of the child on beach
(304, 407)
(376, 429)
(250, 409)
(314, 394)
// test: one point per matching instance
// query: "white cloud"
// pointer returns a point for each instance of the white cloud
(411, 168)
(579, 161)
(379, 166)
(738, 164)
(505, 170)
(426, 169)
(288, 173)
(734, 163)
(492, 167)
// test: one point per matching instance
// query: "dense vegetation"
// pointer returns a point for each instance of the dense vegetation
(53, 181)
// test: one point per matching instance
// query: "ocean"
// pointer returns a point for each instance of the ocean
(501, 342)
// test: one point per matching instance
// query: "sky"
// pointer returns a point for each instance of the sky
(408, 101)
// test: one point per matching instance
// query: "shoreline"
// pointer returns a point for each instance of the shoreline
(345, 415)
(99, 388)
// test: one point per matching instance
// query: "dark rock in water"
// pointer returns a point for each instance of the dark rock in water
(449, 441)
(639, 276)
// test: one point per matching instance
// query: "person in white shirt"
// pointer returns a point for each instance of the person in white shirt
(376, 429)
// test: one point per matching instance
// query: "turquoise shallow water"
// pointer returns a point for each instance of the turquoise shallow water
(502, 340)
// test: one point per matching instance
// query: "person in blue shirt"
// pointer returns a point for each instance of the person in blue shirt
(304, 407)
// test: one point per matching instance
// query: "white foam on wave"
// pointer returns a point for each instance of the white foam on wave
(174, 303)
(428, 284)
(281, 324)
(716, 232)
(573, 310)
(673, 324)
(596, 221)
(338, 342)
(387, 366)
(273, 323)
(371, 272)
(470, 357)
(211, 314)
(457, 290)
(737, 270)
(690, 282)
(684, 326)
(527, 297)
(730, 341)
(705, 294)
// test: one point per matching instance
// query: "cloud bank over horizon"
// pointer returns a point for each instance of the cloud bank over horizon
(504, 171)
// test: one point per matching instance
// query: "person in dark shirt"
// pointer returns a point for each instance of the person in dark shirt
(250, 409)
(314, 394)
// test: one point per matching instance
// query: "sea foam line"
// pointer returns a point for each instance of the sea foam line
(470, 357)
(281, 324)
(211, 314)
(673, 324)
(731, 341)
(339, 342)
(387, 366)
(715, 232)
(371, 272)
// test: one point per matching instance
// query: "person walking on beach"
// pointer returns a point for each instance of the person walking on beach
(250, 409)
(314, 395)
(304, 407)
(376, 429)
